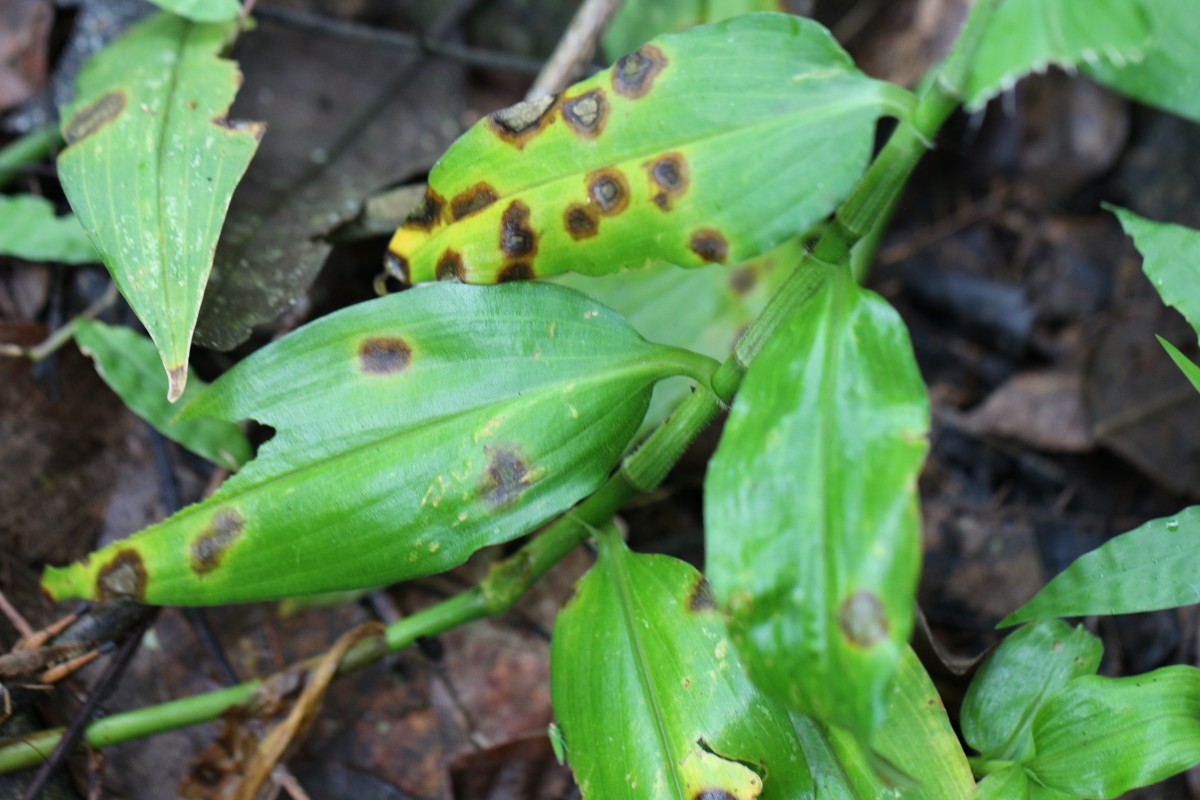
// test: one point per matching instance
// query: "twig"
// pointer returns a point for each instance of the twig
(575, 49)
(14, 616)
(100, 690)
(63, 334)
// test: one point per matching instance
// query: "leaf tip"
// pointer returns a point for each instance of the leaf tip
(176, 382)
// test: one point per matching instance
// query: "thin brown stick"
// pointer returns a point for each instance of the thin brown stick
(575, 49)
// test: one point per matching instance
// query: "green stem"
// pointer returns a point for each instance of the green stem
(28, 149)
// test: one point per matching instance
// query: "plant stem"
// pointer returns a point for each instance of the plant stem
(26, 150)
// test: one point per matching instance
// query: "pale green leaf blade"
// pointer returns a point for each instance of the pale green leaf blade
(1030, 666)
(1170, 259)
(202, 10)
(128, 363)
(1185, 364)
(642, 163)
(410, 431)
(1008, 784)
(1027, 36)
(150, 166)
(916, 742)
(636, 22)
(813, 532)
(650, 697)
(1101, 737)
(1153, 566)
(29, 229)
(1168, 74)
(829, 776)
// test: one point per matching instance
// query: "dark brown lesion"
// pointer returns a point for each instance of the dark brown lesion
(477, 198)
(92, 118)
(609, 191)
(507, 476)
(587, 113)
(517, 237)
(124, 576)
(518, 271)
(209, 548)
(450, 267)
(742, 280)
(669, 179)
(520, 123)
(701, 597)
(710, 245)
(427, 214)
(580, 221)
(384, 355)
(633, 75)
(714, 794)
(862, 619)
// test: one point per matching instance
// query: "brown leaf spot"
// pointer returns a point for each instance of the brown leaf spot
(862, 619)
(384, 355)
(520, 271)
(587, 113)
(609, 191)
(209, 548)
(450, 267)
(507, 476)
(397, 266)
(715, 794)
(580, 221)
(124, 576)
(90, 119)
(520, 123)
(477, 198)
(517, 238)
(710, 245)
(701, 598)
(668, 179)
(742, 280)
(633, 74)
(426, 215)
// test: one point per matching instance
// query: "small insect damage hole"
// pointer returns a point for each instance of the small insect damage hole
(477, 198)
(507, 476)
(520, 123)
(609, 190)
(710, 245)
(381, 355)
(715, 793)
(862, 619)
(701, 597)
(450, 267)
(92, 118)
(633, 75)
(209, 548)
(124, 576)
(427, 213)
(580, 221)
(587, 113)
(669, 179)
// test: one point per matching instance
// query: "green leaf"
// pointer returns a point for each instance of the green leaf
(1170, 259)
(709, 146)
(915, 744)
(1183, 362)
(649, 694)
(634, 23)
(1151, 567)
(29, 229)
(813, 533)
(829, 777)
(1168, 74)
(1101, 737)
(1008, 784)
(410, 431)
(1027, 36)
(202, 10)
(1030, 666)
(150, 166)
(128, 363)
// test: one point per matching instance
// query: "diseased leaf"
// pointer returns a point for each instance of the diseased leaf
(1030, 666)
(1168, 74)
(1170, 259)
(202, 10)
(1101, 737)
(634, 23)
(915, 742)
(813, 533)
(651, 698)
(646, 161)
(410, 431)
(129, 364)
(1027, 36)
(1183, 362)
(150, 165)
(29, 229)
(1154, 566)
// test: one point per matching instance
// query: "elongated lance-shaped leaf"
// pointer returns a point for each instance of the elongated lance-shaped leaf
(1154, 566)
(813, 534)
(709, 146)
(1030, 666)
(1170, 259)
(1027, 36)
(202, 10)
(29, 229)
(410, 431)
(634, 23)
(1101, 737)
(128, 363)
(1185, 364)
(150, 166)
(651, 698)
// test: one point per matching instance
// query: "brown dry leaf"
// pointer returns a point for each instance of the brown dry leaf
(24, 38)
(1041, 408)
